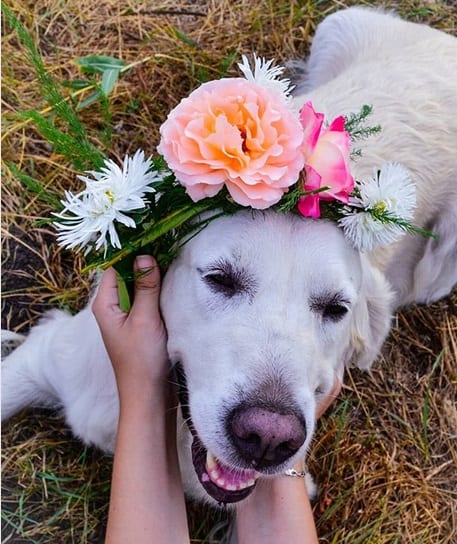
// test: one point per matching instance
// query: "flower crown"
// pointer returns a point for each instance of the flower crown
(236, 143)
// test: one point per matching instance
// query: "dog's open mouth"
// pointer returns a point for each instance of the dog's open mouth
(223, 483)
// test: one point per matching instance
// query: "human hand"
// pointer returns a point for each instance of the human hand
(325, 402)
(135, 341)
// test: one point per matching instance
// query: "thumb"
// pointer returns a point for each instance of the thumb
(147, 287)
(105, 306)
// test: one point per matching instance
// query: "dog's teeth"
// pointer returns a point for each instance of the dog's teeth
(213, 472)
(210, 461)
(244, 485)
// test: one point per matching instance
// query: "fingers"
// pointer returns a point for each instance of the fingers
(336, 388)
(331, 397)
(107, 299)
(147, 287)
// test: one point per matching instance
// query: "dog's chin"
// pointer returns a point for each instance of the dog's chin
(222, 483)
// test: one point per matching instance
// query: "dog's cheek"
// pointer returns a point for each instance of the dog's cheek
(372, 318)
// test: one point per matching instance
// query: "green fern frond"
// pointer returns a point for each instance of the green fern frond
(84, 155)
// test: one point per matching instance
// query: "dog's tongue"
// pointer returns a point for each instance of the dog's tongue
(222, 483)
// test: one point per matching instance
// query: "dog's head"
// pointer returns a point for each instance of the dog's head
(263, 312)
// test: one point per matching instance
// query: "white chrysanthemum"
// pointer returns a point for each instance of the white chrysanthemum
(365, 232)
(110, 193)
(390, 190)
(266, 75)
(382, 211)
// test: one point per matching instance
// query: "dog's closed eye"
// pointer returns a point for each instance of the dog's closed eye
(226, 279)
(331, 307)
(223, 283)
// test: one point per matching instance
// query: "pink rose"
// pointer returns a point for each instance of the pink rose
(234, 132)
(327, 156)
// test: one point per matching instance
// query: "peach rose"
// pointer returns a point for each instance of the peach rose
(234, 132)
(327, 157)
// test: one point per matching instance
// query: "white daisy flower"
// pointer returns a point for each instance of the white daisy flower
(266, 75)
(365, 232)
(390, 190)
(381, 213)
(89, 217)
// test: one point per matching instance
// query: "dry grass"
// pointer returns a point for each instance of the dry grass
(388, 452)
(386, 457)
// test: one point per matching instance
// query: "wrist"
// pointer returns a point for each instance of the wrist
(280, 510)
(282, 483)
(145, 397)
(139, 376)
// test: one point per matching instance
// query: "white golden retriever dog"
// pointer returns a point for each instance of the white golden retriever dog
(264, 310)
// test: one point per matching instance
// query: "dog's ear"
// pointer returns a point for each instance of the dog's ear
(435, 274)
(371, 317)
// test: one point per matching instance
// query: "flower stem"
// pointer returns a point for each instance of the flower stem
(123, 293)
(161, 227)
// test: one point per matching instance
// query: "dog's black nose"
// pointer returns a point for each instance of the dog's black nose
(265, 438)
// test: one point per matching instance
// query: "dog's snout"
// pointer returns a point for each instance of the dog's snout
(265, 438)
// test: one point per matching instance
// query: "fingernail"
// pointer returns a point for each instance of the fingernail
(143, 261)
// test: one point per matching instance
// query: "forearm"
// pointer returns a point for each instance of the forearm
(278, 511)
(147, 501)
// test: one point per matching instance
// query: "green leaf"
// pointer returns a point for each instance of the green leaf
(163, 226)
(227, 62)
(77, 147)
(47, 86)
(185, 39)
(35, 187)
(109, 79)
(202, 75)
(89, 100)
(98, 64)
(78, 84)
(78, 151)
(354, 124)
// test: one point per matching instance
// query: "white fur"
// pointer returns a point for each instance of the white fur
(273, 331)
